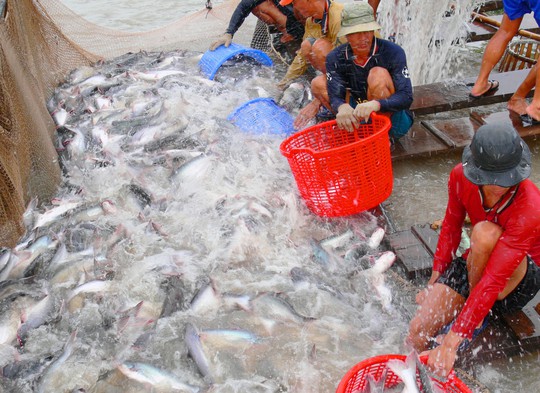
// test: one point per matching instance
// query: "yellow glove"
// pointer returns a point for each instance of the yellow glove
(363, 110)
(225, 39)
(345, 118)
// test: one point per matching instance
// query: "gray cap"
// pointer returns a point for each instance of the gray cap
(497, 155)
(357, 17)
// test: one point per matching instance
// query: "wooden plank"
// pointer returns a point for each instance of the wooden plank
(427, 236)
(460, 130)
(509, 117)
(437, 133)
(411, 254)
(420, 142)
(478, 31)
(442, 97)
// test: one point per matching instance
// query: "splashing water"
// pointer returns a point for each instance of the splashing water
(430, 32)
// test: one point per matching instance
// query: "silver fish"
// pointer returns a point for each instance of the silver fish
(382, 263)
(196, 351)
(376, 238)
(49, 373)
(406, 371)
(154, 378)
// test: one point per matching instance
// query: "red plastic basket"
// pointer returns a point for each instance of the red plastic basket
(339, 173)
(355, 379)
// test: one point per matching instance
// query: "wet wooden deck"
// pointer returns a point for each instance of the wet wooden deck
(429, 137)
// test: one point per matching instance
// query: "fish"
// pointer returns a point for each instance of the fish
(406, 371)
(207, 299)
(382, 263)
(293, 96)
(196, 351)
(36, 315)
(376, 238)
(384, 293)
(157, 380)
(55, 213)
(273, 306)
(299, 274)
(427, 383)
(338, 241)
(48, 374)
(321, 255)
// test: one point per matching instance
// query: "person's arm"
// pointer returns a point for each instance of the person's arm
(240, 14)
(454, 217)
(520, 233)
(299, 65)
(505, 258)
(403, 96)
(336, 85)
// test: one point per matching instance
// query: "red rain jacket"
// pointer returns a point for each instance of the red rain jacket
(519, 218)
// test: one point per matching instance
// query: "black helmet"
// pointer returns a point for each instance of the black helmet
(497, 155)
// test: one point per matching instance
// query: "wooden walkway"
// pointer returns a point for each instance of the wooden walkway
(429, 137)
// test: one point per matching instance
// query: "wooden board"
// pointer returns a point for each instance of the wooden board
(478, 31)
(414, 250)
(442, 97)
(427, 138)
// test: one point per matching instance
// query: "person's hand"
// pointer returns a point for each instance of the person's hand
(224, 39)
(442, 358)
(345, 118)
(363, 110)
(306, 114)
(421, 296)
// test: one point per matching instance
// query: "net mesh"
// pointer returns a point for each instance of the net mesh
(41, 41)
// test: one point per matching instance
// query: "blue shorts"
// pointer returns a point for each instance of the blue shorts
(401, 124)
(456, 277)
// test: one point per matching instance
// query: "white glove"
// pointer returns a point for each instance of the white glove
(345, 118)
(363, 110)
(225, 39)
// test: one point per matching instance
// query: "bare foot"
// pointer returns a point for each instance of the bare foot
(479, 89)
(533, 111)
(518, 105)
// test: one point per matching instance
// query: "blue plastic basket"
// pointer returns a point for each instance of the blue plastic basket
(262, 116)
(211, 61)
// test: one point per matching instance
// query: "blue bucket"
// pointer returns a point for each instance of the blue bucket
(212, 60)
(262, 116)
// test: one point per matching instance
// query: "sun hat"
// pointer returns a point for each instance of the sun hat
(497, 155)
(357, 17)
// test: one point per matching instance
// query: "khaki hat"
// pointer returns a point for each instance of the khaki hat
(357, 17)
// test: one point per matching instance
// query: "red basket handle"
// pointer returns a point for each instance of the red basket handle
(307, 150)
(451, 375)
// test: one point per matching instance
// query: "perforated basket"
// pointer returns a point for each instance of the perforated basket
(355, 379)
(262, 116)
(339, 173)
(211, 61)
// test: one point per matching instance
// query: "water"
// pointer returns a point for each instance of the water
(232, 219)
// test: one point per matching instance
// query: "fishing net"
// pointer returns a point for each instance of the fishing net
(41, 41)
